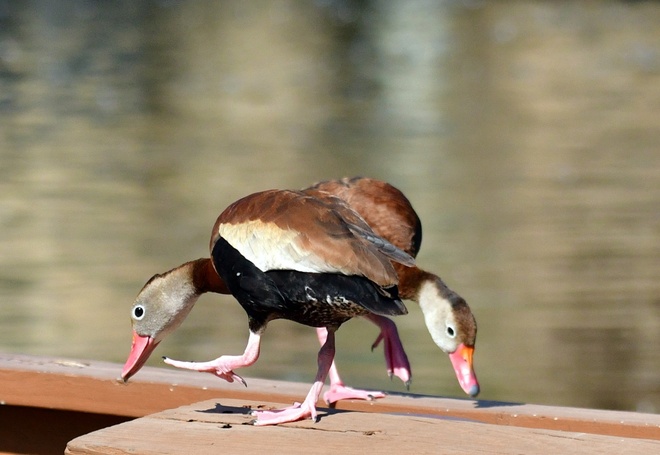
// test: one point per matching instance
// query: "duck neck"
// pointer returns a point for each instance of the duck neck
(205, 278)
(411, 280)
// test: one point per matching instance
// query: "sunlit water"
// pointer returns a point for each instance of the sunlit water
(526, 134)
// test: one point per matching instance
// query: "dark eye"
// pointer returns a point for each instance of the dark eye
(138, 312)
(451, 332)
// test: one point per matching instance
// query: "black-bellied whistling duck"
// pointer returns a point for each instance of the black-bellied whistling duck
(448, 318)
(282, 254)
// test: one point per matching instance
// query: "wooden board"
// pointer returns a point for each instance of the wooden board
(92, 387)
(222, 426)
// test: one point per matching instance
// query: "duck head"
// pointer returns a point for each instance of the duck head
(453, 329)
(160, 307)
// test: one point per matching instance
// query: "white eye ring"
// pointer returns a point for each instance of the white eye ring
(451, 332)
(138, 312)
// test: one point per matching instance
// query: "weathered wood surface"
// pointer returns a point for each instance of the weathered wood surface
(92, 386)
(222, 426)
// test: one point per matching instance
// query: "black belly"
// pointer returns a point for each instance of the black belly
(314, 299)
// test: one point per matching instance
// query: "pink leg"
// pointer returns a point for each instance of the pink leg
(338, 391)
(223, 366)
(395, 356)
(307, 408)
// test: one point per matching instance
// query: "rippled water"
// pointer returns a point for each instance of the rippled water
(526, 134)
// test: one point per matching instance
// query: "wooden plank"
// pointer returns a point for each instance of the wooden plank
(216, 426)
(92, 386)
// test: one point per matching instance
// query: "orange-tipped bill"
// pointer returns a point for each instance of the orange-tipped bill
(461, 359)
(141, 349)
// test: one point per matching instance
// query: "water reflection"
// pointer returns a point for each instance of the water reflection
(525, 133)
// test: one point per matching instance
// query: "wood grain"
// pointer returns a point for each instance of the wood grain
(213, 426)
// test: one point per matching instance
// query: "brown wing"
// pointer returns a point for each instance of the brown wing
(361, 228)
(280, 229)
(386, 209)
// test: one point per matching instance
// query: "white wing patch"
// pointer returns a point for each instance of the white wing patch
(270, 247)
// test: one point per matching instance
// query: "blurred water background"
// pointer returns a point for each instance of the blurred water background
(526, 134)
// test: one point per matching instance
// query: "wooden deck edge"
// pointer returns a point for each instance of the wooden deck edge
(93, 386)
(211, 426)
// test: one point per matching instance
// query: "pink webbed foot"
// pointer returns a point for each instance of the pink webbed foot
(306, 409)
(338, 391)
(395, 356)
(299, 411)
(223, 367)
(220, 367)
